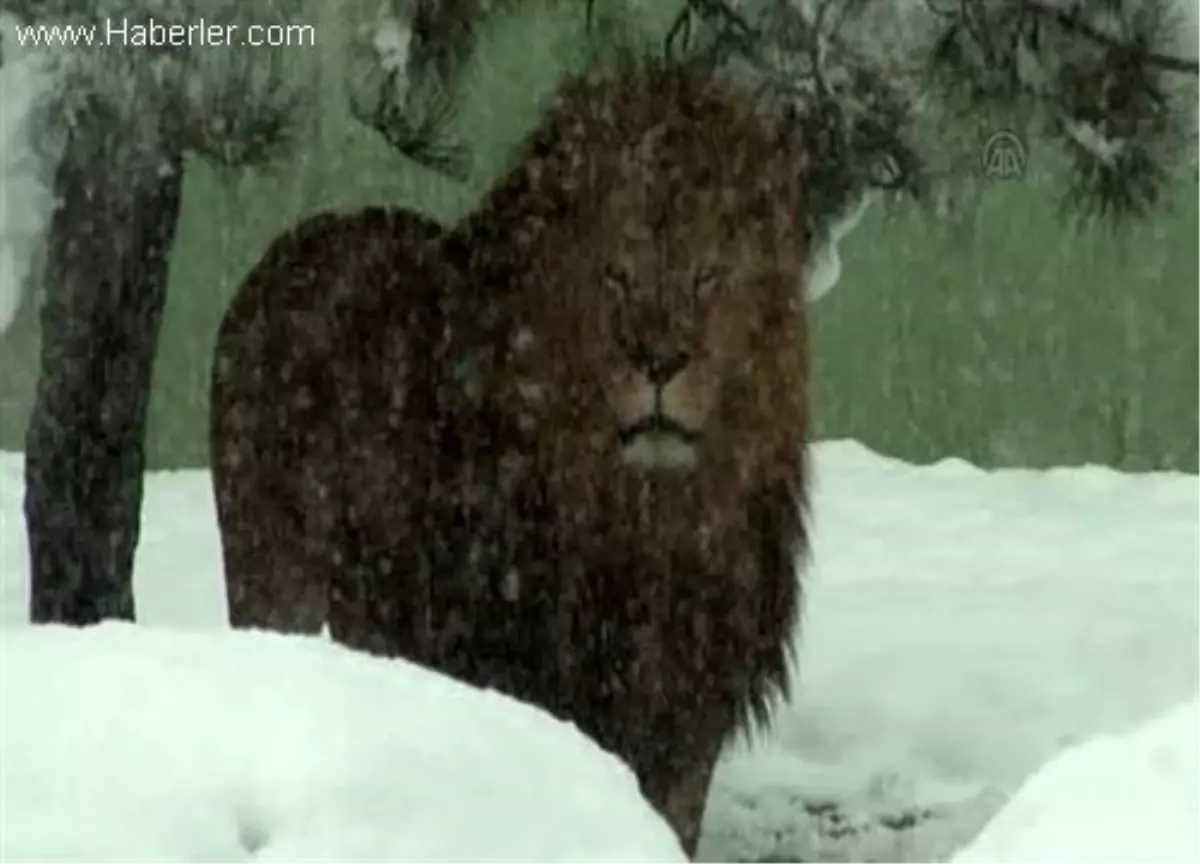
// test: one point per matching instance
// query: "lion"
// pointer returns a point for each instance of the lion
(556, 449)
(636, 496)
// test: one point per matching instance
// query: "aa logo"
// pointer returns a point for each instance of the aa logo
(1003, 156)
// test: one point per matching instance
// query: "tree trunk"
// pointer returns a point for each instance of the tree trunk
(106, 279)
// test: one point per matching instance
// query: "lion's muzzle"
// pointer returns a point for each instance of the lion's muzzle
(658, 448)
(652, 434)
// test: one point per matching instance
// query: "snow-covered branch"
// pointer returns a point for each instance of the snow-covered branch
(230, 100)
(242, 101)
(875, 87)
(402, 75)
(1071, 19)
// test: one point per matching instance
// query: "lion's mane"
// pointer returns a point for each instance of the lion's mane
(663, 605)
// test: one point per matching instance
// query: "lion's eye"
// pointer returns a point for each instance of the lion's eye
(706, 282)
(616, 279)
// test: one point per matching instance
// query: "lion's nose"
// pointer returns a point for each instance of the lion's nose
(660, 365)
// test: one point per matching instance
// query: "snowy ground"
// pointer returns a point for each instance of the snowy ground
(1138, 793)
(962, 628)
(136, 743)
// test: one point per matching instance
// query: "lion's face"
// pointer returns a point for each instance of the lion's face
(641, 341)
(669, 353)
(653, 251)
(678, 331)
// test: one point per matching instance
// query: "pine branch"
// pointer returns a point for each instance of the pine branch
(1072, 22)
(1114, 112)
(412, 97)
(235, 106)
(416, 131)
(851, 124)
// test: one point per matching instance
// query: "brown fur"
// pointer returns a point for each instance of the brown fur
(653, 229)
(503, 536)
(322, 404)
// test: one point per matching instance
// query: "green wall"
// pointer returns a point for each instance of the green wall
(1007, 339)
(1014, 340)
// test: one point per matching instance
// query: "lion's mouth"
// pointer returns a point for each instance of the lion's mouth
(658, 441)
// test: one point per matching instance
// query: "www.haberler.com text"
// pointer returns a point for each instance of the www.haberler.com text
(149, 33)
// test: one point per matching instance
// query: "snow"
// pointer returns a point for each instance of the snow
(1078, 807)
(824, 267)
(962, 629)
(26, 198)
(124, 742)
(993, 666)
(1088, 136)
(392, 43)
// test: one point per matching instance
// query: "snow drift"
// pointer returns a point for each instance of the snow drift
(125, 743)
(1117, 798)
(962, 629)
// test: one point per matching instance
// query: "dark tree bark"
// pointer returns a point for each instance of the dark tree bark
(107, 266)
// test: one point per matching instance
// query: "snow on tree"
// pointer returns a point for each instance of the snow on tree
(25, 194)
(882, 90)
